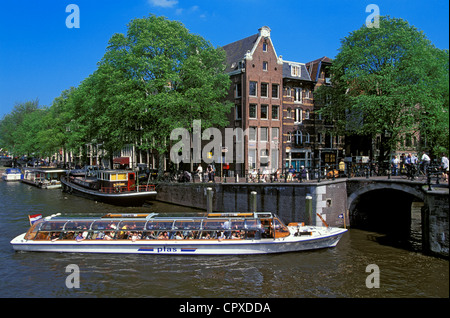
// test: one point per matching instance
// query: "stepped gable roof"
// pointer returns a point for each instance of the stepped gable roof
(314, 66)
(237, 50)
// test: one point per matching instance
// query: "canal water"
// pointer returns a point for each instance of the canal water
(340, 272)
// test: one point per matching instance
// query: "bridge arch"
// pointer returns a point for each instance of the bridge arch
(354, 197)
(389, 208)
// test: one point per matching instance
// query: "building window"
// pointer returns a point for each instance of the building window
(264, 47)
(275, 134)
(264, 134)
(264, 111)
(307, 93)
(298, 116)
(307, 114)
(265, 66)
(238, 112)
(298, 137)
(289, 137)
(252, 134)
(275, 112)
(253, 89)
(275, 90)
(252, 158)
(264, 90)
(288, 92)
(289, 113)
(298, 95)
(253, 111)
(237, 90)
(295, 70)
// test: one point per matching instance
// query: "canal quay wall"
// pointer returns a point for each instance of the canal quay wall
(335, 202)
(288, 200)
(435, 222)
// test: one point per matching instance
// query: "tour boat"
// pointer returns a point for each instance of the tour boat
(12, 174)
(175, 234)
(116, 187)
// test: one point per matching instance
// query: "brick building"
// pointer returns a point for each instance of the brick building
(274, 105)
(256, 72)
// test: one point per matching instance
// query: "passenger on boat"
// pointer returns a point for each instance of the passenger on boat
(134, 236)
(222, 236)
(55, 236)
(79, 237)
(163, 236)
(109, 236)
(236, 235)
(100, 236)
(179, 236)
(151, 236)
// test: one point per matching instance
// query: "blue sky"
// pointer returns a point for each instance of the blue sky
(40, 57)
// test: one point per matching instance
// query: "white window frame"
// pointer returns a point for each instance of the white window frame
(298, 95)
(256, 111)
(267, 111)
(298, 118)
(256, 89)
(267, 90)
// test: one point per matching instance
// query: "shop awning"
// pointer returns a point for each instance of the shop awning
(122, 160)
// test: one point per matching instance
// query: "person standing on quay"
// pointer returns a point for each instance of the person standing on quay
(395, 163)
(444, 166)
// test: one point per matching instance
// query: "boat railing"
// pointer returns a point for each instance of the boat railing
(123, 189)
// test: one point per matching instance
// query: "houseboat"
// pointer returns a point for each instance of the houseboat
(45, 178)
(175, 234)
(12, 174)
(118, 187)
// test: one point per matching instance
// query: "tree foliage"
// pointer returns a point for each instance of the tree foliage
(153, 79)
(388, 81)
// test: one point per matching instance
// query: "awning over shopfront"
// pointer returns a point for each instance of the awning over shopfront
(122, 160)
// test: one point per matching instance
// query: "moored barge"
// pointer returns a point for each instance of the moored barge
(117, 187)
(176, 234)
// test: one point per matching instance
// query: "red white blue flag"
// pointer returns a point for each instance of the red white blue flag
(34, 218)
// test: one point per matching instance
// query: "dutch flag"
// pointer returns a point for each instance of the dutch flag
(34, 218)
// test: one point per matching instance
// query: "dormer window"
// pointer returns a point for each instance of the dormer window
(295, 70)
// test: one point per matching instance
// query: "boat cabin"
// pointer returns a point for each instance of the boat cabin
(111, 179)
(161, 226)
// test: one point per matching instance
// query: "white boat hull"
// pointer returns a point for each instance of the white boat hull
(323, 238)
(12, 177)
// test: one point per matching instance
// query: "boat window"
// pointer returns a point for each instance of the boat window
(187, 224)
(52, 226)
(159, 225)
(33, 230)
(237, 224)
(253, 224)
(132, 225)
(105, 225)
(78, 225)
(279, 226)
(216, 224)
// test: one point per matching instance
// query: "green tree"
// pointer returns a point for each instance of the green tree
(162, 77)
(11, 127)
(387, 81)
